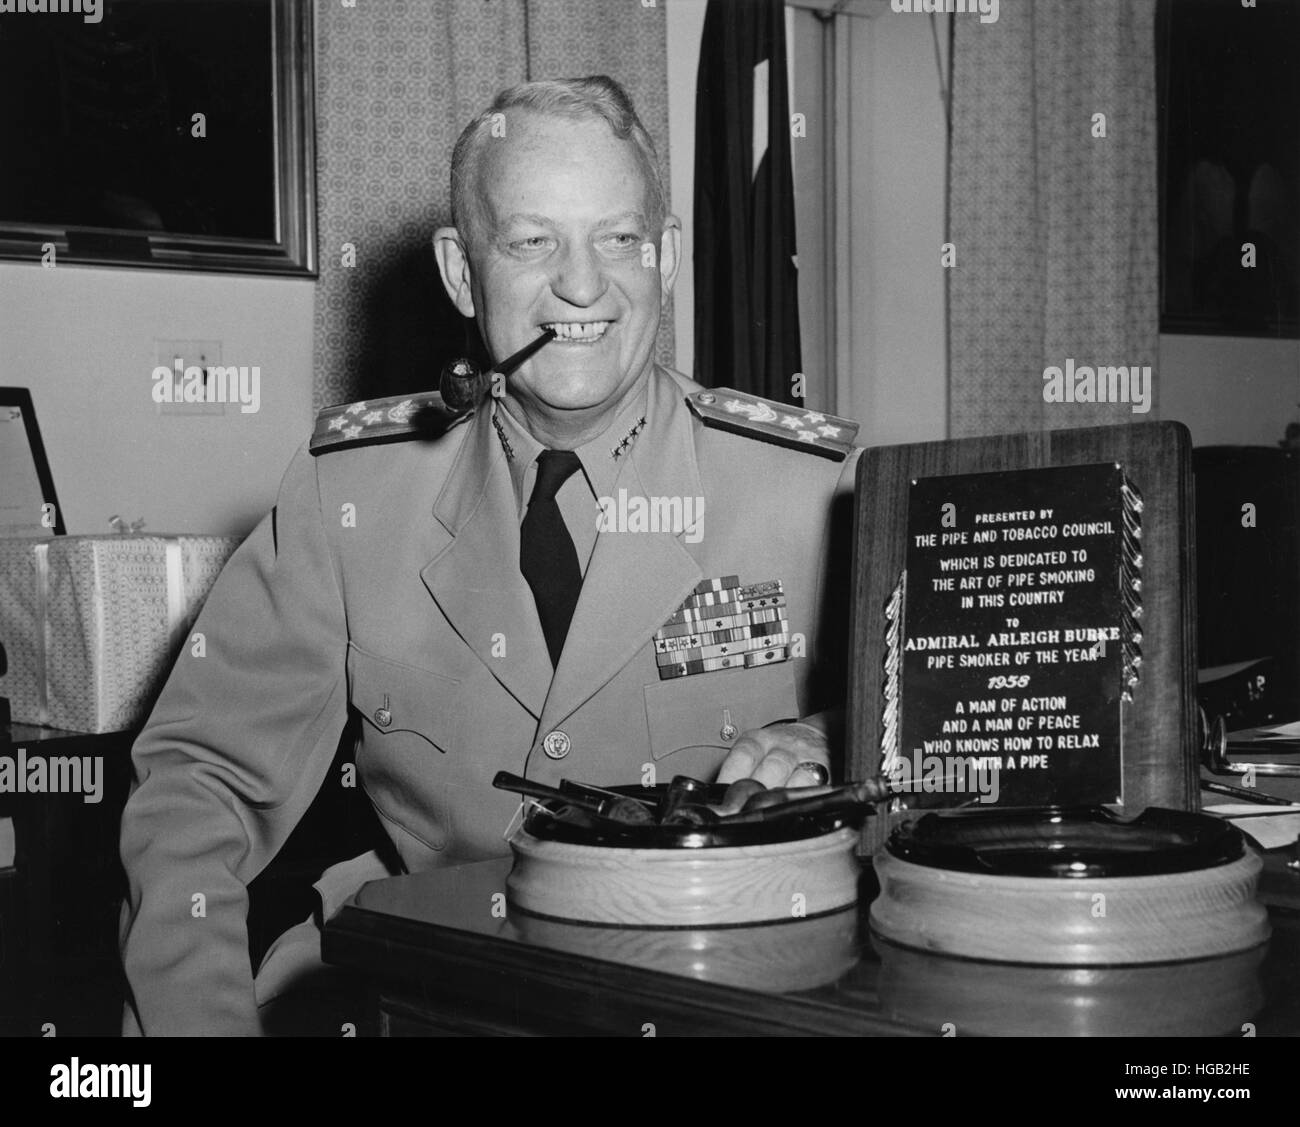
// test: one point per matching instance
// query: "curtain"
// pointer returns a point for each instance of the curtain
(746, 274)
(395, 83)
(1054, 226)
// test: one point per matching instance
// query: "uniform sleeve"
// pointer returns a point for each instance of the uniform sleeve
(232, 755)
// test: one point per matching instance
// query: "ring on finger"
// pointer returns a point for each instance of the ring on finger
(821, 775)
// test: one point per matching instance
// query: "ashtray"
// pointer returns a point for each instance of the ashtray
(654, 875)
(1073, 887)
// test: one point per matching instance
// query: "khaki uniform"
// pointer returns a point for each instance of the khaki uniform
(387, 580)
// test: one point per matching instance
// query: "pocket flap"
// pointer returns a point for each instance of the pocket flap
(693, 711)
(393, 697)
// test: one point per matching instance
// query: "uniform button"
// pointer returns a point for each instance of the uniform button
(728, 731)
(383, 717)
(556, 744)
(708, 398)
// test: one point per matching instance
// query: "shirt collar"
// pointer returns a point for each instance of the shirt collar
(602, 457)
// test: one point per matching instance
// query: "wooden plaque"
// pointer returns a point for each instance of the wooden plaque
(1159, 725)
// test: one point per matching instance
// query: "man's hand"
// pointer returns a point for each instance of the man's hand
(772, 756)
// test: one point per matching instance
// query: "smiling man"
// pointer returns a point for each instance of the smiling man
(557, 219)
(468, 598)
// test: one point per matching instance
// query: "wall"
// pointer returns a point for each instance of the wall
(895, 382)
(82, 339)
(1230, 390)
(685, 26)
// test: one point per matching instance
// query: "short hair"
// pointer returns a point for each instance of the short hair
(596, 96)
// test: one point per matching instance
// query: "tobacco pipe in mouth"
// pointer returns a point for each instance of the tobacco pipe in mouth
(462, 385)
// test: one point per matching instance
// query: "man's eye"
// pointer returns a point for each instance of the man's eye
(623, 240)
(531, 242)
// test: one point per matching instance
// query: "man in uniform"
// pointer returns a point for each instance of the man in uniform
(532, 591)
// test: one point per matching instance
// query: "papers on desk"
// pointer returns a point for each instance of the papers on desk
(1266, 734)
(1214, 673)
(1270, 827)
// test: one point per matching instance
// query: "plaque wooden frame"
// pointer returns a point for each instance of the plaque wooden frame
(1159, 725)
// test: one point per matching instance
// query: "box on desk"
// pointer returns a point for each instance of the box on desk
(91, 624)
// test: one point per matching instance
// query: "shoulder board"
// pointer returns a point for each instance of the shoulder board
(382, 420)
(769, 421)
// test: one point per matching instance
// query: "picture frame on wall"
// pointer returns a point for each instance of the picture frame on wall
(1229, 112)
(175, 134)
(28, 505)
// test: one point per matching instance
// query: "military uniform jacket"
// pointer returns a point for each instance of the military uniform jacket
(387, 580)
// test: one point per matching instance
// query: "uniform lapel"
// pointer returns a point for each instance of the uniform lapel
(475, 579)
(635, 580)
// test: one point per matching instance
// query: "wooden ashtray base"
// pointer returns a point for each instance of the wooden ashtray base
(1092, 921)
(684, 887)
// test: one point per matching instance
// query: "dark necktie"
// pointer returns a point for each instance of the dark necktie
(546, 553)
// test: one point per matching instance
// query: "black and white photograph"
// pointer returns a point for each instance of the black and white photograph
(649, 519)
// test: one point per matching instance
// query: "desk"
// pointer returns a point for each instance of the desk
(447, 956)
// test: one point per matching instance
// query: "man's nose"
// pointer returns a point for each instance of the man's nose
(579, 278)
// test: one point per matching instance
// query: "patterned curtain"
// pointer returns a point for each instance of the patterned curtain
(1052, 210)
(395, 83)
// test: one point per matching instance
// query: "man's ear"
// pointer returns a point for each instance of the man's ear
(453, 265)
(670, 253)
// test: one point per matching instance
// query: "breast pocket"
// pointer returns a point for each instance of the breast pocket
(402, 701)
(710, 710)
(411, 719)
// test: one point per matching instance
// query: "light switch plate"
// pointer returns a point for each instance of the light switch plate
(203, 354)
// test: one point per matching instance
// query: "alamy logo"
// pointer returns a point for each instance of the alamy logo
(102, 1081)
(947, 774)
(653, 514)
(91, 11)
(1103, 384)
(215, 384)
(987, 9)
(53, 774)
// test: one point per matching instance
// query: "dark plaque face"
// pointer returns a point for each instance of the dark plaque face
(1015, 637)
